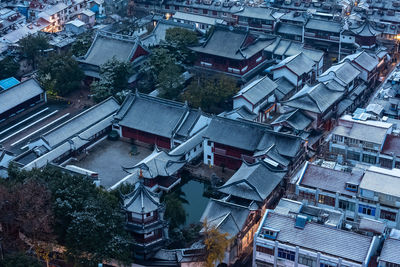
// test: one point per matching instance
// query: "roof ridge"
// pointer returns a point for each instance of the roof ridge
(81, 114)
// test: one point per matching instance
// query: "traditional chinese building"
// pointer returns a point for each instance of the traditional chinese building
(157, 121)
(20, 97)
(229, 142)
(158, 171)
(145, 221)
(241, 56)
(107, 46)
(366, 35)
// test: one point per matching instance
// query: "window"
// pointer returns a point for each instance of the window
(389, 264)
(209, 143)
(351, 187)
(369, 159)
(327, 200)
(269, 250)
(322, 264)
(337, 150)
(286, 254)
(353, 155)
(390, 198)
(337, 138)
(387, 163)
(307, 260)
(208, 156)
(364, 209)
(270, 234)
(353, 141)
(306, 195)
(388, 215)
(148, 234)
(205, 11)
(346, 205)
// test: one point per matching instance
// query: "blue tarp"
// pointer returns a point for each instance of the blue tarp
(8, 83)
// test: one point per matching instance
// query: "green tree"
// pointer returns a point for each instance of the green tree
(82, 44)
(164, 62)
(113, 79)
(181, 37)
(211, 94)
(60, 74)
(216, 243)
(161, 58)
(32, 47)
(98, 229)
(174, 211)
(19, 260)
(180, 40)
(170, 82)
(8, 68)
(89, 221)
(26, 209)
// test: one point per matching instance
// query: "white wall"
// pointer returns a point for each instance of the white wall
(287, 74)
(200, 124)
(208, 152)
(240, 101)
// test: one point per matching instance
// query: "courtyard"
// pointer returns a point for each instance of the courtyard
(108, 158)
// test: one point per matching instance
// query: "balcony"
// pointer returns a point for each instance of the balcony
(147, 220)
(144, 242)
(316, 36)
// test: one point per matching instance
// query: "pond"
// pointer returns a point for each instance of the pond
(197, 202)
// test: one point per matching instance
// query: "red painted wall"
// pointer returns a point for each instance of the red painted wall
(147, 138)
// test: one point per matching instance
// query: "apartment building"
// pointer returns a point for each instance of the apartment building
(368, 141)
(284, 240)
(371, 194)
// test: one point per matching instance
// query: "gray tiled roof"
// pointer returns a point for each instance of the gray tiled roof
(290, 29)
(18, 94)
(253, 181)
(158, 163)
(391, 251)
(226, 217)
(345, 72)
(235, 133)
(80, 122)
(285, 88)
(152, 115)
(323, 25)
(251, 136)
(141, 200)
(366, 30)
(299, 64)
(366, 61)
(329, 180)
(256, 91)
(317, 98)
(317, 237)
(187, 125)
(105, 47)
(256, 12)
(297, 119)
(235, 48)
